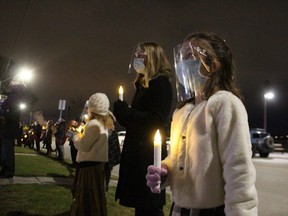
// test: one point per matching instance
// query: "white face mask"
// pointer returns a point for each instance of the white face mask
(138, 64)
(189, 76)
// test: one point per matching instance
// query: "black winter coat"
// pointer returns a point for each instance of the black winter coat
(149, 111)
(10, 117)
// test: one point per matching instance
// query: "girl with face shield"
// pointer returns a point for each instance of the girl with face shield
(149, 111)
(209, 167)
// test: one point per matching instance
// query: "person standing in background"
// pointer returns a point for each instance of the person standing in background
(149, 111)
(113, 154)
(60, 136)
(10, 118)
(73, 151)
(20, 134)
(37, 134)
(47, 140)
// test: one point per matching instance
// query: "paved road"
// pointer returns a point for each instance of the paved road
(272, 184)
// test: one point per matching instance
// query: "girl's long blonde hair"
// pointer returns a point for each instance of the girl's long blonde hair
(107, 120)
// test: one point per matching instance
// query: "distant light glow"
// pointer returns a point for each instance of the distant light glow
(22, 106)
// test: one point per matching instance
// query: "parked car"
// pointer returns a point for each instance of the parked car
(262, 142)
(281, 143)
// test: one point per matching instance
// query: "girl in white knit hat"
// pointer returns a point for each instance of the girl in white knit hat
(92, 144)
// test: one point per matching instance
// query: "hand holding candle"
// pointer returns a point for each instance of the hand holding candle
(121, 93)
(157, 152)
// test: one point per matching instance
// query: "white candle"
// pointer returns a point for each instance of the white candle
(157, 153)
(121, 93)
(157, 149)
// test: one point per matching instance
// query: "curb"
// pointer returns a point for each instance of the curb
(36, 180)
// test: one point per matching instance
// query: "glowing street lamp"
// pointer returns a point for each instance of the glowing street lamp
(267, 96)
(25, 74)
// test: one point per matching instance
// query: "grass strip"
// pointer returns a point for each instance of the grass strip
(48, 199)
(34, 199)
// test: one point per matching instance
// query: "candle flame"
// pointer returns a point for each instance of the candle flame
(121, 90)
(157, 138)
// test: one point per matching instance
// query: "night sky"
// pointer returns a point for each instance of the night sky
(77, 48)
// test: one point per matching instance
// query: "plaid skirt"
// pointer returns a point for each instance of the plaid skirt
(88, 190)
(178, 211)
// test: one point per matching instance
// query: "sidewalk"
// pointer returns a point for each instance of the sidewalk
(52, 180)
(37, 180)
(42, 180)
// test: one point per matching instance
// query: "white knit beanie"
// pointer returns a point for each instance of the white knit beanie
(99, 103)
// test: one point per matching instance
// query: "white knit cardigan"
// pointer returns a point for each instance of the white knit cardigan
(213, 166)
(92, 145)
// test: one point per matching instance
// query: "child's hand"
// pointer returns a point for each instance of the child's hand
(154, 177)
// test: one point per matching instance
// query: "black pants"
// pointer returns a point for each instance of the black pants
(150, 212)
(73, 152)
(60, 152)
(8, 157)
(38, 145)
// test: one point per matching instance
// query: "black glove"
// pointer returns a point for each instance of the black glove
(120, 109)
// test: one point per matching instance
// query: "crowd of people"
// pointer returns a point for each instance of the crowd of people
(208, 167)
(32, 137)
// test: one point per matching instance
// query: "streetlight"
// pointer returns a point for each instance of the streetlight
(267, 96)
(24, 74)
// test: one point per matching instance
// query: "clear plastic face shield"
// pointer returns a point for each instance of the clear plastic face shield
(137, 62)
(189, 79)
(84, 115)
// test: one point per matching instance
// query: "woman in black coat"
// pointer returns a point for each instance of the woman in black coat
(149, 111)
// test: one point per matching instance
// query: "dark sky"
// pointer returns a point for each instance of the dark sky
(77, 48)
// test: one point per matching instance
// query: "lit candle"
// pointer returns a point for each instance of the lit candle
(121, 93)
(157, 152)
(157, 149)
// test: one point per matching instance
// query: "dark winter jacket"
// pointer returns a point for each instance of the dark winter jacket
(60, 133)
(10, 117)
(149, 111)
(113, 150)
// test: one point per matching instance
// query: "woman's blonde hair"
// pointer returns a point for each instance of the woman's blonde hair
(156, 63)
